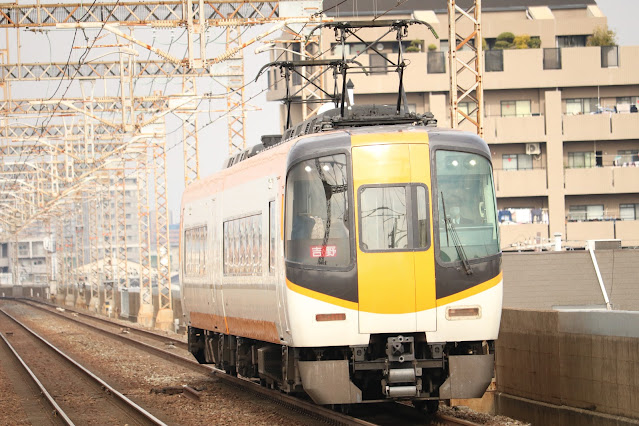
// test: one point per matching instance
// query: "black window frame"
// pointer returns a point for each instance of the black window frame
(411, 214)
(351, 215)
(435, 200)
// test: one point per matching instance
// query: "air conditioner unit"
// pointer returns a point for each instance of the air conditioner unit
(533, 149)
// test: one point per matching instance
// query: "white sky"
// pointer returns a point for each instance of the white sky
(623, 17)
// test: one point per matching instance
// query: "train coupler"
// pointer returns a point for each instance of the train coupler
(402, 377)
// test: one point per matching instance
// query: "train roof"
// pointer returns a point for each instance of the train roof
(354, 117)
(271, 156)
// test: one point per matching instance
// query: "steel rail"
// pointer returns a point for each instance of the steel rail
(290, 402)
(59, 412)
(88, 373)
(444, 419)
(133, 330)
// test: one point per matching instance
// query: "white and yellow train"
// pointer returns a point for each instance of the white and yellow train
(357, 260)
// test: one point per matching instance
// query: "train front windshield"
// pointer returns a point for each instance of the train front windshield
(466, 206)
(317, 220)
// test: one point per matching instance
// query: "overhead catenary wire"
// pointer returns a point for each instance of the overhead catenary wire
(82, 61)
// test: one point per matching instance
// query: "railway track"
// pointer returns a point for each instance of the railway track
(175, 350)
(75, 394)
(156, 344)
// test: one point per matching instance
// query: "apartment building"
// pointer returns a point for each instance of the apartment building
(30, 259)
(558, 116)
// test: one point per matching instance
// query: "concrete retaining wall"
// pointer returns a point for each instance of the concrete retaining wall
(588, 361)
(568, 278)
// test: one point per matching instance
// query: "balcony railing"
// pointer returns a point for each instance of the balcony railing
(494, 60)
(609, 56)
(436, 63)
(521, 183)
(601, 180)
(552, 58)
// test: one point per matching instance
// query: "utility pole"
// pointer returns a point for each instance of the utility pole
(464, 29)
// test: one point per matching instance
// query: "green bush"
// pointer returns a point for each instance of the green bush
(502, 44)
(602, 37)
(534, 43)
(521, 41)
(507, 37)
(415, 46)
(432, 47)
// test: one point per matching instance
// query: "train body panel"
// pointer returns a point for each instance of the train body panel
(468, 325)
(348, 246)
(242, 293)
(304, 310)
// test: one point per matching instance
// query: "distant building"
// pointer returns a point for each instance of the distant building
(558, 118)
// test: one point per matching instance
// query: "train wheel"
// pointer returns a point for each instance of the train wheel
(342, 408)
(430, 406)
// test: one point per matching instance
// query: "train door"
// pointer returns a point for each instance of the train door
(396, 288)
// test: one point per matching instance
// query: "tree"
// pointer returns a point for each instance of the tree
(602, 37)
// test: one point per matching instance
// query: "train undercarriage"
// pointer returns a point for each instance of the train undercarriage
(390, 367)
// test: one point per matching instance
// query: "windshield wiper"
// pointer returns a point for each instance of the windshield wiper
(450, 229)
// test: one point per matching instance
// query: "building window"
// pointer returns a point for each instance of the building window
(571, 41)
(468, 108)
(580, 160)
(584, 213)
(628, 104)
(516, 162)
(23, 249)
(378, 63)
(629, 211)
(243, 246)
(195, 251)
(581, 105)
(515, 108)
(349, 49)
(627, 157)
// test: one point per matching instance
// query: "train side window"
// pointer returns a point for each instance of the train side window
(422, 225)
(272, 237)
(243, 246)
(195, 251)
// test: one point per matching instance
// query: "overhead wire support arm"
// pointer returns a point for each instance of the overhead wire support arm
(141, 13)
